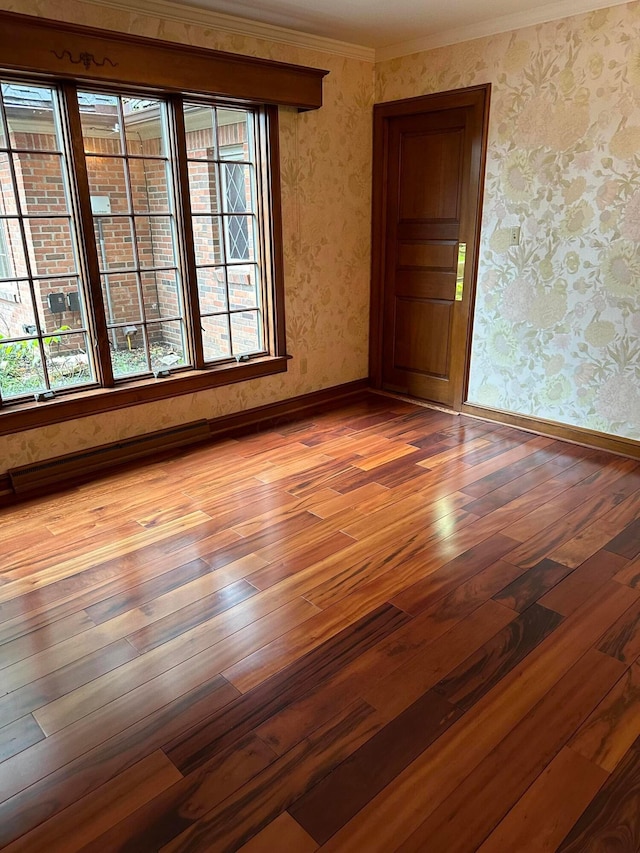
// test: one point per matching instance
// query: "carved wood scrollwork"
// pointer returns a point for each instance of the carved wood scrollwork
(86, 59)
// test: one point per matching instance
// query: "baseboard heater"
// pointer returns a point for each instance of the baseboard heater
(56, 472)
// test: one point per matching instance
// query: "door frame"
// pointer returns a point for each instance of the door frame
(477, 97)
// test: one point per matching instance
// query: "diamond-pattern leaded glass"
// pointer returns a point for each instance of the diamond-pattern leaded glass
(238, 238)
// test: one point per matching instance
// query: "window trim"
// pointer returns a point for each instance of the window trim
(24, 42)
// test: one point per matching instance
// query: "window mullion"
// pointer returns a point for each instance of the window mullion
(185, 230)
(95, 309)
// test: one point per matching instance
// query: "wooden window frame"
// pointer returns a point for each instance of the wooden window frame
(68, 55)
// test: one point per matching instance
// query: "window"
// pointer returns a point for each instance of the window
(41, 348)
(134, 238)
(130, 171)
(137, 288)
(222, 169)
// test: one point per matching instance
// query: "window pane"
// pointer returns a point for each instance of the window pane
(107, 185)
(212, 290)
(31, 117)
(206, 239)
(246, 332)
(234, 134)
(243, 287)
(68, 360)
(3, 134)
(203, 187)
(12, 260)
(20, 369)
(121, 298)
(236, 183)
(60, 304)
(149, 187)
(51, 246)
(41, 184)
(215, 337)
(129, 357)
(144, 123)
(9, 292)
(17, 317)
(199, 124)
(100, 118)
(114, 242)
(161, 293)
(7, 195)
(239, 234)
(167, 345)
(155, 241)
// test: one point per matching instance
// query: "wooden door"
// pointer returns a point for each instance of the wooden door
(428, 171)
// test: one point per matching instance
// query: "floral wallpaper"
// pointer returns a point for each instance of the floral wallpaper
(557, 319)
(326, 168)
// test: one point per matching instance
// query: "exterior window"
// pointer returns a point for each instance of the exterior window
(131, 238)
(221, 157)
(45, 343)
(131, 184)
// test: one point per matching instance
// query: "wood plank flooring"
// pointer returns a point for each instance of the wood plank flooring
(381, 628)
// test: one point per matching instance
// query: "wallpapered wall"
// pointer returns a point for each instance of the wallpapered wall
(557, 323)
(557, 319)
(326, 168)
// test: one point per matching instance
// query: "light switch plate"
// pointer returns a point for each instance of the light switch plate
(514, 235)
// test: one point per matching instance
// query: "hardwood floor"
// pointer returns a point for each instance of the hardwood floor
(385, 628)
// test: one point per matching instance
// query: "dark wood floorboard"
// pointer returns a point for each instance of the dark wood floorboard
(330, 804)
(530, 586)
(379, 628)
(612, 820)
(490, 663)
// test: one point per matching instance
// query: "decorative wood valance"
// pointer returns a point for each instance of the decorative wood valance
(67, 50)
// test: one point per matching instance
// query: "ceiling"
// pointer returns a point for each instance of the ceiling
(381, 23)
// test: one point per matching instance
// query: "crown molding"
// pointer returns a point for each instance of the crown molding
(186, 14)
(503, 24)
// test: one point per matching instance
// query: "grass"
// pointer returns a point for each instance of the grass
(21, 371)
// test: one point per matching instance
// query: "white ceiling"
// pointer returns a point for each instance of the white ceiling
(383, 23)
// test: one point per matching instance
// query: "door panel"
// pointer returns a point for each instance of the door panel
(433, 256)
(422, 284)
(419, 326)
(427, 161)
(427, 176)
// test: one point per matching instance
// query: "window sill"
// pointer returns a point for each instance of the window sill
(21, 416)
